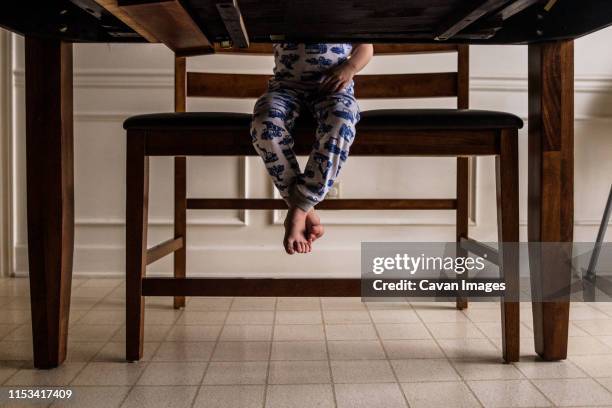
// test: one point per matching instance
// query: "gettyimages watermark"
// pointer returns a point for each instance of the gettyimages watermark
(445, 271)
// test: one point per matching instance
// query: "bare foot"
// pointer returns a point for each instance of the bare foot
(314, 228)
(295, 232)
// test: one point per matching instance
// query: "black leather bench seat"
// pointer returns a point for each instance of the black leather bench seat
(407, 119)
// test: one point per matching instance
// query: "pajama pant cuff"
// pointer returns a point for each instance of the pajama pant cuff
(296, 199)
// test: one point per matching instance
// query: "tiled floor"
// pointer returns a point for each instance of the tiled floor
(301, 352)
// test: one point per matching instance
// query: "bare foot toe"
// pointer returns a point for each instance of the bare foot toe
(295, 232)
(314, 228)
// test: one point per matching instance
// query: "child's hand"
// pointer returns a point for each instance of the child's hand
(338, 78)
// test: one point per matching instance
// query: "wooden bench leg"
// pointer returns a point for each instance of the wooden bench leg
(180, 222)
(508, 233)
(462, 213)
(137, 201)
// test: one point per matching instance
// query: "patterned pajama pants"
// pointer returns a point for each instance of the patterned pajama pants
(274, 116)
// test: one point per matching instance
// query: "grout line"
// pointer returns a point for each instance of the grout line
(387, 358)
(326, 340)
(265, 396)
(212, 352)
(448, 359)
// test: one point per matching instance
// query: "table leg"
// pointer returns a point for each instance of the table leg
(551, 184)
(50, 194)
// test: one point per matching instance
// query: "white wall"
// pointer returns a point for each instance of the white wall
(113, 82)
(5, 154)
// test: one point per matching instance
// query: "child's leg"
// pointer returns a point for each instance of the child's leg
(336, 115)
(273, 119)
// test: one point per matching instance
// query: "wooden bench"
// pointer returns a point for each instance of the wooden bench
(460, 133)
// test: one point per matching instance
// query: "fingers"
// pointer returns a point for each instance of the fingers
(329, 84)
(340, 86)
(325, 83)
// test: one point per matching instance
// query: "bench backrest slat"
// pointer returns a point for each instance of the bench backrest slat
(391, 86)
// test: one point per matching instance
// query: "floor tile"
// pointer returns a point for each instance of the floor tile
(606, 382)
(247, 317)
(5, 329)
(574, 392)
(494, 329)
(246, 333)
(299, 317)
(384, 304)
(208, 304)
(578, 346)
(304, 303)
(15, 350)
(100, 283)
(20, 333)
(184, 351)
(226, 373)
(111, 303)
(193, 333)
(85, 303)
(115, 352)
(202, 318)
(8, 368)
(173, 373)
(242, 351)
(538, 369)
(585, 312)
(93, 332)
(346, 316)
(108, 317)
(595, 366)
(162, 317)
(356, 350)
(33, 376)
(100, 373)
(479, 349)
(91, 292)
(455, 330)
(394, 316)
(83, 351)
(14, 316)
(369, 395)
(17, 303)
(160, 397)
(152, 333)
(94, 397)
(401, 349)
(481, 369)
(301, 332)
(363, 371)
(299, 372)
(483, 315)
(342, 304)
(402, 331)
(418, 370)
(439, 395)
(596, 327)
(230, 396)
(298, 350)
(300, 396)
(350, 332)
(437, 315)
(250, 303)
(511, 393)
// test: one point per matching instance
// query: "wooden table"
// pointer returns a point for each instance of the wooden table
(194, 26)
